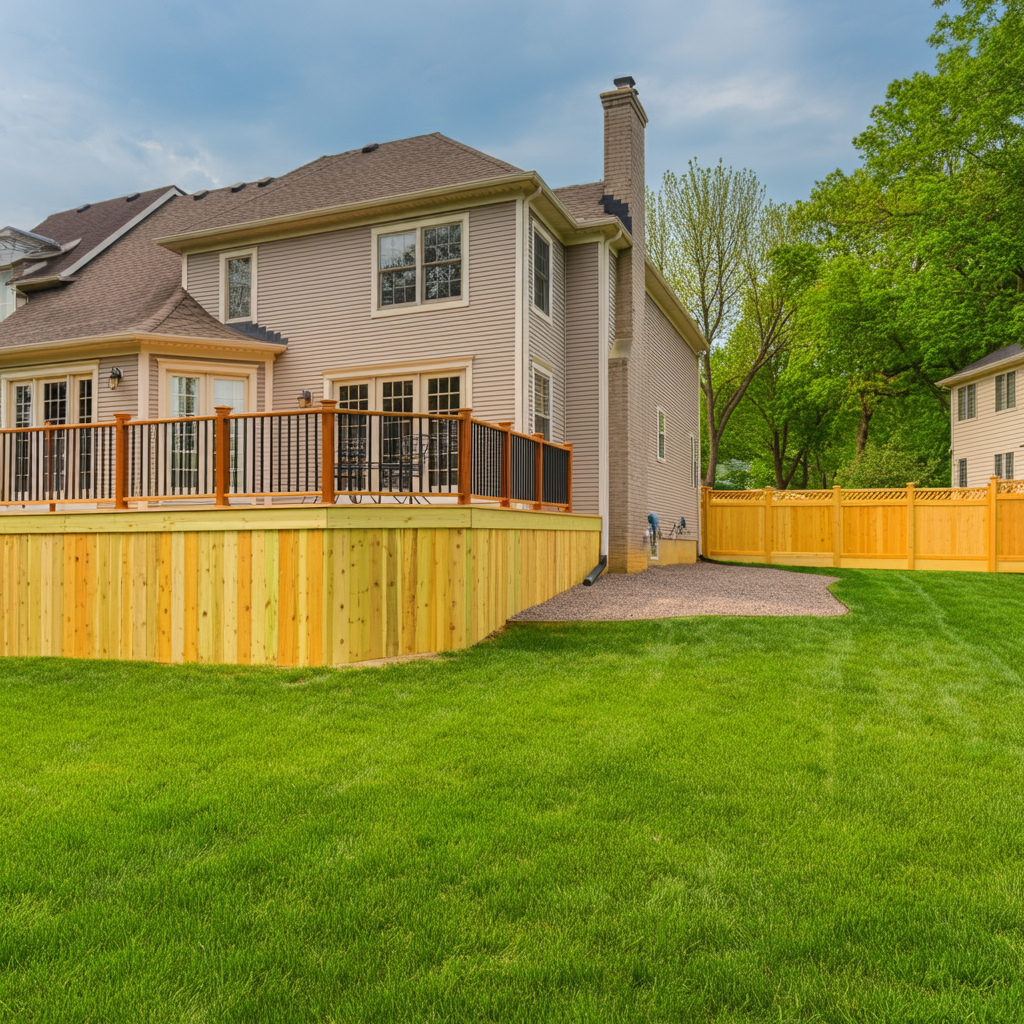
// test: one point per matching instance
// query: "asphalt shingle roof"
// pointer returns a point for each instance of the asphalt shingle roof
(393, 169)
(92, 226)
(993, 357)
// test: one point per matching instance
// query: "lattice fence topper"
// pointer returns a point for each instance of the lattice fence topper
(951, 494)
(1011, 487)
(784, 496)
(885, 494)
(737, 496)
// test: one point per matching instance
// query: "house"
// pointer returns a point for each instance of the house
(410, 276)
(986, 423)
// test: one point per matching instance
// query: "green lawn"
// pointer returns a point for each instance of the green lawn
(689, 820)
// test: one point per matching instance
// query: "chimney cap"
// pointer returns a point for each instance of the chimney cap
(626, 82)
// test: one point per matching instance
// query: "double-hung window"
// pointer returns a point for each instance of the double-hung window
(1006, 391)
(961, 473)
(238, 286)
(541, 273)
(419, 265)
(966, 402)
(1004, 466)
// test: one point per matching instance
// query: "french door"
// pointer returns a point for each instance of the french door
(400, 451)
(194, 395)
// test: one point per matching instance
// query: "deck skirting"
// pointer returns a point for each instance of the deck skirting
(307, 585)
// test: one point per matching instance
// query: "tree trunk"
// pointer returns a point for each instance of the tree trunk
(862, 427)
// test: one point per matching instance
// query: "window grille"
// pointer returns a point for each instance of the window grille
(542, 403)
(965, 397)
(541, 273)
(1006, 391)
(962, 473)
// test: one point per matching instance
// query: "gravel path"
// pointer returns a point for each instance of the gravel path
(705, 588)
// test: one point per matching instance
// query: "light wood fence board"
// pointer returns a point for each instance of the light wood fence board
(971, 529)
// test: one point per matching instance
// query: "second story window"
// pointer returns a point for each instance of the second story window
(238, 285)
(541, 273)
(966, 402)
(1006, 391)
(419, 265)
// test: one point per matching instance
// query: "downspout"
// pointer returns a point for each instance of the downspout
(604, 419)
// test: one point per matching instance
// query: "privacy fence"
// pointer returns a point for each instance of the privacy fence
(979, 529)
(327, 455)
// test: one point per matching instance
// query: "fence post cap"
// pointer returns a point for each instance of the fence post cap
(328, 403)
(122, 417)
(223, 410)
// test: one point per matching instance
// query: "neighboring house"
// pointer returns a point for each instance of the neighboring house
(987, 420)
(415, 275)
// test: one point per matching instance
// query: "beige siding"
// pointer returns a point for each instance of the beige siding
(204, 281)
(672, 384)
(316, 290)
(582, 362)
(126, 397)
(547, 336)
(990, 432)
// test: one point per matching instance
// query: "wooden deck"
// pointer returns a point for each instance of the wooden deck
(310, 585)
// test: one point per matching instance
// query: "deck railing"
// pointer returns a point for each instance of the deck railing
(322, 455)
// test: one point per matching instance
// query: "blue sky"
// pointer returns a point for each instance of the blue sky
(102, 98)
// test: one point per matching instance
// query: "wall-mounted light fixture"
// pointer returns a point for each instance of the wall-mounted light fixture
(116, 376)
(305, 399)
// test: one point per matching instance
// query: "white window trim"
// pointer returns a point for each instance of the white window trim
(166, 368)
(371, 373)
(420, 305)
(964, 388)
(375, 375)
(660, 429)
(541, 230)
(235, 254)
(538, 367)
(35, 375)
(995, 391)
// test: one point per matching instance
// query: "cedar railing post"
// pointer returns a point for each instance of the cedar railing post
(538, 473)
(768, 524)
(993, 491)
(328, 421)
(48, 463)
(465, 456)
(121, 459)
(568, 445)
(221, 455)
(837, 525)
(911, 541)
(506, 464)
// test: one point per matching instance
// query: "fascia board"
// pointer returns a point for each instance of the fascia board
(108, 343)
(329, 218)
(982, 371)
(666, 298)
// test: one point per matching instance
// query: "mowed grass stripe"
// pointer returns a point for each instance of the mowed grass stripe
(704, 819)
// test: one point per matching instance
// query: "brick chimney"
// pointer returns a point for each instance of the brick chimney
(629, 435)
